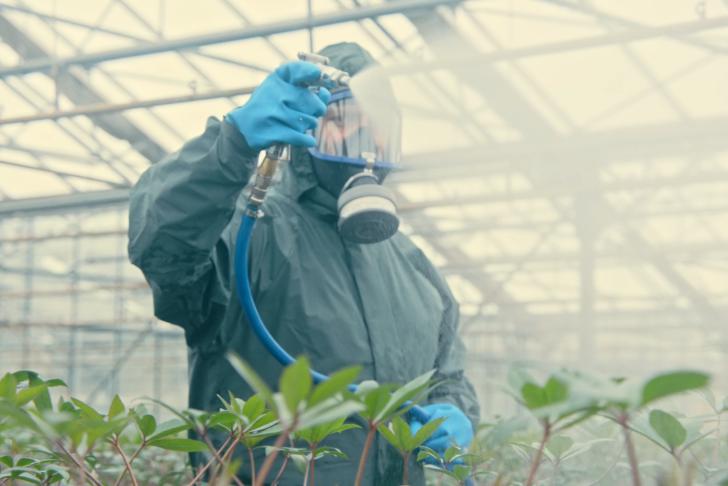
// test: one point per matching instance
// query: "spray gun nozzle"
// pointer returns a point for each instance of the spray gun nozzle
(314, 58)
(330, 76)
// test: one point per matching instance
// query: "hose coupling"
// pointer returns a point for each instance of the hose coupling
(264, 178)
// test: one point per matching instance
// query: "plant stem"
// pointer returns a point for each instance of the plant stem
(306, 472)
(716, 449)
(127, 464)
(201, 472)
(268, 463)
(405, 468)
(280, 472)
(226, 458)
(131, 461)
(539, 454)
(313, 463)
(252, 464)
(85, 472)
(364, 453)
(631, 454)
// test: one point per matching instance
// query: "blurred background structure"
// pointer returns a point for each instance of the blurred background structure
(580, 215)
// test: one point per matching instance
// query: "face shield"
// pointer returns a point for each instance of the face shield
(345, 134)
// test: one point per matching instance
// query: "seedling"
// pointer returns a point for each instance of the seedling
(382, 403)
(455, 463)
(398, 433)
(70, 442)
(553, 406)
(313, 436)
(621, 399)
(299, 405)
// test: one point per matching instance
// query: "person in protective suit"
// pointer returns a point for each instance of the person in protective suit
(382, 306)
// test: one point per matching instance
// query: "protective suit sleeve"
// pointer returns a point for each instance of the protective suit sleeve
(450, 359)
(178, 211)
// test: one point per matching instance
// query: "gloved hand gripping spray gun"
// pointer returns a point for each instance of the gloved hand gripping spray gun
(330, 77)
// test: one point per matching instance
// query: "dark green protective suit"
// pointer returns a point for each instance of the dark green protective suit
(381, 306)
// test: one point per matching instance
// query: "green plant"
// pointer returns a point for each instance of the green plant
(455, 463)
(63, 440)
(381, 403)
(553, 405)
(398, 433)
(300, 405)
(314, 436)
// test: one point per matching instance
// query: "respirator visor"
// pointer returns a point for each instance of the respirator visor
(346, 134)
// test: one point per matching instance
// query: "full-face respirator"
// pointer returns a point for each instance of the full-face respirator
(346, 135)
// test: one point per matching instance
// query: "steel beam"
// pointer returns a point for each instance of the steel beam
(105, 108)
(48, 64)
(62, 173)
(80, 92)
(48, 205)
(507, 102)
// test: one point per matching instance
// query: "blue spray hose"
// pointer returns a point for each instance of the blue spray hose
(245, 295)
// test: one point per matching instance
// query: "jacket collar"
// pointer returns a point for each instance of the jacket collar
(299, 183)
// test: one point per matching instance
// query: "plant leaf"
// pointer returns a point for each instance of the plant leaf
(87, 410)
(26, 395)
(116, 408)
(668, 428)
(375, 400)
(555, 391)
(327, 411)
(147, 425)
(451, 452)
(426, 452)
(295, 383)
(672, 383)
(251, 377)
(559, 445)
(181, 445)
(337, 383)
(329, 452)
(8, 385)
(426, 431)
(533, 396)
(169, 428)
(389, 436)
(403, 394)
(254, 407)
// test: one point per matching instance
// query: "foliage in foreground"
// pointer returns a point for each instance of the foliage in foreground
(571, 428)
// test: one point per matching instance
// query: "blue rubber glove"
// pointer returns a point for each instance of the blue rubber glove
(282, 108)
(456, 429)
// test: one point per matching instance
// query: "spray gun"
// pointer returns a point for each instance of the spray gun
(330, 78)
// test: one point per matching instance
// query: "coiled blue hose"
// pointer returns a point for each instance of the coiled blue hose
(245, 294)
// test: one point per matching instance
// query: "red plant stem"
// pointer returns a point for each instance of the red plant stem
(364, 453)
(313, 464)
(405, 469)
(84, 472)
(631, 454)
(131, 461)
(127, 464)
(251, 457)
(280, 471)
(201, 472)
(268, 463)
(226, 457)
(539, 454)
